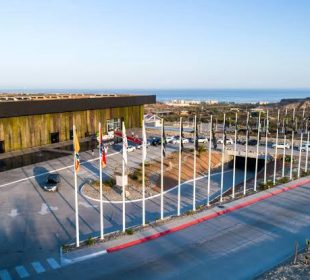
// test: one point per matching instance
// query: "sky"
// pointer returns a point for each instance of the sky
(161, 44)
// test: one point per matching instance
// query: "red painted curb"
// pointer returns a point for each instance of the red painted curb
(207, 217)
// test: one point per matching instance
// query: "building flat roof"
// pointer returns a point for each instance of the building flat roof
(14, 105)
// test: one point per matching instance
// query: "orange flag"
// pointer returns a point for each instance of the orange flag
(76, 146)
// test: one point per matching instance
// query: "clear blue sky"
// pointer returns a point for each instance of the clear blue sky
(155, 44)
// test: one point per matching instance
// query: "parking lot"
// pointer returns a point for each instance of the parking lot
(34, 223)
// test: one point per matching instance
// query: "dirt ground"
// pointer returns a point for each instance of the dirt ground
(152, 176)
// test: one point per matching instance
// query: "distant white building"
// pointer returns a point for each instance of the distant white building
(152, 120)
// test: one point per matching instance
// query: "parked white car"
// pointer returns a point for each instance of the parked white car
(170, 139)
(229, 141)
(202, 139)
(130, 148)
(177, 141)
(303, 148)
(281, 146)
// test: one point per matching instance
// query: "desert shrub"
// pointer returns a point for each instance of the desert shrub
(90, 241)
(283, 180)
(266, 186)
(129, 231)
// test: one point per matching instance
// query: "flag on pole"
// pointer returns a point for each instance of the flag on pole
(196, 136)
(164, 140)
(182, 135)
(214, 140)
(248, 127)
(144, 143)
(225, 135)
(125, 143)
(102, 151)
(76, 146)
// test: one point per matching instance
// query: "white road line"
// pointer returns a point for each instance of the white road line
(22, 272)
(38, 267)
(5, 275)
(150, 197)
(66, 261)
(53, 263)
(52, 171)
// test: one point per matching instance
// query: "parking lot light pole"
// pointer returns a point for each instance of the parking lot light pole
(209, 162)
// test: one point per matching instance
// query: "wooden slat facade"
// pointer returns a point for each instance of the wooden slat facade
(35, 130)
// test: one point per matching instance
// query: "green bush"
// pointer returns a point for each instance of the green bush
(109, 182)
(135, 175)
(283, 180)
(266, 186)
(90, 241)
(129, 231)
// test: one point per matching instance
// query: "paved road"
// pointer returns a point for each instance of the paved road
(239, 245)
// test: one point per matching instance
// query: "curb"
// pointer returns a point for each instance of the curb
(207, 217)
(65, 261)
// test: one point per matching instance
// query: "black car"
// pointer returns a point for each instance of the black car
(52, 183)
(252, 142)
(154, 141)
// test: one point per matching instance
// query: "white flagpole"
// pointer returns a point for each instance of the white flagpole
(257, 151)
(223, 158)
(123, 177)
(235, 157)
(77, 230)
(307, 152)
(266, 148)
(162, 171)
(209, 163)
(276, 152)
(194, 177)
(284, 149)
(292, 147)
(299, 159)
(100, 182)
(180, 171)
(300, 144)
(246, 156)
(143, 171)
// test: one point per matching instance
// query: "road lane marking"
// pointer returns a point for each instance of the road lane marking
(52, 171)
(53, 263)
(22, 272)
(66, 261)
(5, 275)
(150, 197)
(38, 267)
(13, 213)
(45, 209)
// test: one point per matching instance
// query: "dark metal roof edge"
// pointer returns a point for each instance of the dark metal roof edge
(40, 107)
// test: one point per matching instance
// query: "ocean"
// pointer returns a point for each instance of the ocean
(221, 95)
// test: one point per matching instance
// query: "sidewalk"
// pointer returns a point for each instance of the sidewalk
(173, 224)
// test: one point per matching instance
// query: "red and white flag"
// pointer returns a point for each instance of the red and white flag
(144, 141)
(102, 150)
